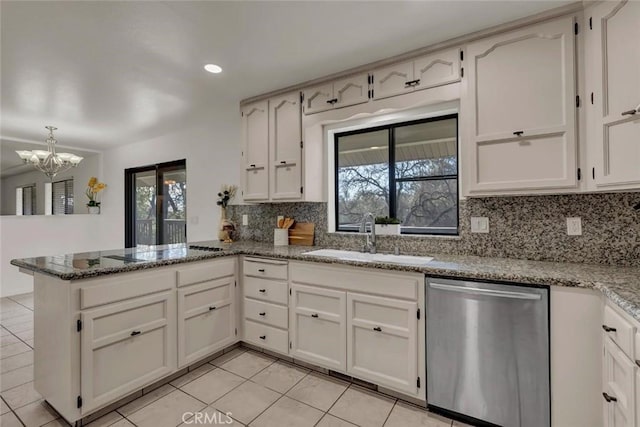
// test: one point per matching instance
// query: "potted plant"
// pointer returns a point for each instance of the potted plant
(93, 189)
(387, 226)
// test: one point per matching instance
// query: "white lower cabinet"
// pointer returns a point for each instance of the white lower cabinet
(317, 326)
(382, 341)
(125, 346)
(619, 386)
(337, 322)
(206, 319)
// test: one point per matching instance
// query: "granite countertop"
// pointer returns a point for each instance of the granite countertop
(620, 284)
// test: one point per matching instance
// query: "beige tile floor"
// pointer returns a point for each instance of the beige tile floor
(253, 388)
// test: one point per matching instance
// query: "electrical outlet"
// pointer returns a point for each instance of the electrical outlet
(245, 219)
(574, 226)
(479, 224)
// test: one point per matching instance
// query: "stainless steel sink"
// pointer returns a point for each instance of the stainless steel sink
(367, 257)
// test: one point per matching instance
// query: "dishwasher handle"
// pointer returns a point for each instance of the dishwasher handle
(487, 292)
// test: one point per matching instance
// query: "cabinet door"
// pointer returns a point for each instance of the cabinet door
(393, 80)
(382, 337)
(619, 377)
(255, 154)
(351, 90)
(521, 97)
(617, 93)
(317, 326)
(206, 319)
(437, 69)
(125, 346)
(316, 99)
(285, 136)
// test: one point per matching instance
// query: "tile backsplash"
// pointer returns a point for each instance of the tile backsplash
(524, 227)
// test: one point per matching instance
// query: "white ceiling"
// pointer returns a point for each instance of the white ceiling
(111, 73)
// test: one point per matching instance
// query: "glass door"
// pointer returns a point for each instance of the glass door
(155, 204)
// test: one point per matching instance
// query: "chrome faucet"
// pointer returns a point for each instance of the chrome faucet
(370, 245)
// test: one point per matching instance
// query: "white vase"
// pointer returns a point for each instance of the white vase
(93, 210)
(388, 229)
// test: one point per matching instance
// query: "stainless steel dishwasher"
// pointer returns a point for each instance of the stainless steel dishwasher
(488, 352)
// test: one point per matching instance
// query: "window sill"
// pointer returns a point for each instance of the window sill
(402, 236)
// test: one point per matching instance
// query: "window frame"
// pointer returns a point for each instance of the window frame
(66, 197)
(33, 201)
(392, 174)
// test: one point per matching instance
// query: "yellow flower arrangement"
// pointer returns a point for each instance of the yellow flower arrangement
(93, 188)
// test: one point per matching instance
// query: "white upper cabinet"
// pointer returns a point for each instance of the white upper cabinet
(341, 93)
(255, 151)
(429, 71)
(614, 78)
(521, 111)
(285, 137)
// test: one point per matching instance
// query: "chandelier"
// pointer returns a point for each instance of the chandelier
(49, 162)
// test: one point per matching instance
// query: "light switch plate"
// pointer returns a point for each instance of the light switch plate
(479, 224)
(245, 219)
(574, 226)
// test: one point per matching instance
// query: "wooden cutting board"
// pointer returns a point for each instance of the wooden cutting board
(302, 234)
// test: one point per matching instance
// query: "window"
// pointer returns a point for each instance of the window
(408, 171)
(62, 197)
(26, 200)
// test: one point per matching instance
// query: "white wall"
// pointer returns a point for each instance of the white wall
(36, 235)
(90, 166)
(211, 146)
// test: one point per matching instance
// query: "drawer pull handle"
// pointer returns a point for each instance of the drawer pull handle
(283, 162)
(252, 166)
(377, 329)
(262, 291)
(261, 270)
(263, 337)
(518, 133)
(134, 333)
(608, 328)
(314, 315)
(629, 113)
(609, 398)
(262, 314)
(213, 307)
(638, 362)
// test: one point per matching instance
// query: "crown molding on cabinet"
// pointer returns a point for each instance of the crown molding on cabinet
(467, 38)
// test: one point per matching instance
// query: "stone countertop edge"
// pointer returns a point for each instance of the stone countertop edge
(621, 285)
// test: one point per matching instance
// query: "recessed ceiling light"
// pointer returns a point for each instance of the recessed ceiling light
(213, 68)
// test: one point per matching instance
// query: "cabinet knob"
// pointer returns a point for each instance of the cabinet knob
(377, 329)
(134, 333)
(608, 328)
(263, 337)
(262, 291)
(518, 133)
(213, 307)
(262, 314)
(609, 398)
(314, 315)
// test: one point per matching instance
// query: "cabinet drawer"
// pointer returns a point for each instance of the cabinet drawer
(124, 287)
(624, 331)
(266, 336)
(204, 271)
(265, 290)
(266, 269)
(270, 314)
(382, 311)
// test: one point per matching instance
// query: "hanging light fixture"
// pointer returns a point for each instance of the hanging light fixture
(49, 162)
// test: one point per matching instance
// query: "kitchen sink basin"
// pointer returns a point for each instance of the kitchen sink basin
(367, 257)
